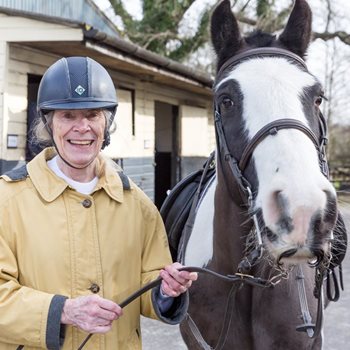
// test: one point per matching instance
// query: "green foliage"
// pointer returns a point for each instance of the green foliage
(159, 27)
(157, 31)
(263, 7)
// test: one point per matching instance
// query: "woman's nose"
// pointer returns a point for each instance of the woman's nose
(82, 125)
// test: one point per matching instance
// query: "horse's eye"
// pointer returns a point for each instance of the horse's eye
(227, 102)
(318, 101)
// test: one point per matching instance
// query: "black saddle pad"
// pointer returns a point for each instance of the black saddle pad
(177, 205)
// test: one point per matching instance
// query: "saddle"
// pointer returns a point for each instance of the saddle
(178, 210)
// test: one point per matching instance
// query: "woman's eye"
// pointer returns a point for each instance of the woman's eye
(227, 102)
(93, 116)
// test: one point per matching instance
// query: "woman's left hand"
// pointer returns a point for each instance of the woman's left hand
(176, 282)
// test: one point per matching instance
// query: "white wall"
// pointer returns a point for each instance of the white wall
(194, 132)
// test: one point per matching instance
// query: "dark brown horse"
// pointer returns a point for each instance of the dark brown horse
(270, 211)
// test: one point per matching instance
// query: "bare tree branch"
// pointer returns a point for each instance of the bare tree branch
(341, 35)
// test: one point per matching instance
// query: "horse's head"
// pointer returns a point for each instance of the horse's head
(257, 87)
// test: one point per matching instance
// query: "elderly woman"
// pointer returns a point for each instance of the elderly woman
(76, 235)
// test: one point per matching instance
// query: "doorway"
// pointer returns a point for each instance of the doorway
(167, 163)
(32, 148)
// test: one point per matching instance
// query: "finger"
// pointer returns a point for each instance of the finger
(170, 280)
(166, 289)
(107, 315)
(193, 276)
(175, 274)
(172, 288)
(100, 329)
(109, 305)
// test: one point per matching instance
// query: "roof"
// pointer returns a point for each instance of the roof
(78, 10)
(119, 54)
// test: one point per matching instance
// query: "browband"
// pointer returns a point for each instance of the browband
(261, 52)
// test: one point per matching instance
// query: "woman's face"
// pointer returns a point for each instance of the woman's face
(78, 135)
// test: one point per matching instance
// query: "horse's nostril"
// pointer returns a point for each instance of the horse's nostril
(286, 254)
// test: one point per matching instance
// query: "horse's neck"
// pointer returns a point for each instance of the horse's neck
(229, 231)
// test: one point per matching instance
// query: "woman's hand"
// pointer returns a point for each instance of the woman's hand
(91, 313)
(175, 282)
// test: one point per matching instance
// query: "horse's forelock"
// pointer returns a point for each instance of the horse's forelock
(260, 39)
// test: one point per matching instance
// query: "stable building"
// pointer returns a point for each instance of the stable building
(164, 124)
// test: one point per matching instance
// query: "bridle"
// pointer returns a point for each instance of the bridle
(238, 166)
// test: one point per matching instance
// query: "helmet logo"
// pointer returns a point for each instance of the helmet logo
(79, 90)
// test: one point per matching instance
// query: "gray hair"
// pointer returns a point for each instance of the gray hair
(40, 136)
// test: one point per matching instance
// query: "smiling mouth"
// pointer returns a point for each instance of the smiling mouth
(81, 142)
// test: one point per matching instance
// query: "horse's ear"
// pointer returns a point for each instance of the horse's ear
(225, 34)
(297, 33)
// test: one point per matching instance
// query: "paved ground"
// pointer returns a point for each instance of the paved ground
(337, 315)
(157, 336)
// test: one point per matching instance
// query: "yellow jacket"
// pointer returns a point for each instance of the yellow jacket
(57, 243)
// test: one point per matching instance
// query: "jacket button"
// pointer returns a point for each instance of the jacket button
(87, 203)
(94, 288)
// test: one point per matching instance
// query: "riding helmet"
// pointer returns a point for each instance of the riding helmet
(77, 83)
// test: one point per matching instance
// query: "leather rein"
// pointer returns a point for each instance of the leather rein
(236, 278)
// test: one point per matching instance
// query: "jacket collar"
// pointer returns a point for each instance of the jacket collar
(50, 186)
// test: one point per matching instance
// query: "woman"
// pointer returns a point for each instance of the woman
(76, 235)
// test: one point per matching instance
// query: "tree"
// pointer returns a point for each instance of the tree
(167, 28)
(158, 29)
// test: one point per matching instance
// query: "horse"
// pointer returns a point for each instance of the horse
(270, 212)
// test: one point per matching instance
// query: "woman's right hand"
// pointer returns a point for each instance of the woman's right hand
(91, 313)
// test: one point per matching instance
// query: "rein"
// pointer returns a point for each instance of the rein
(236, 278)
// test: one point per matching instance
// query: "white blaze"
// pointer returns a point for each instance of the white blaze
(286, 163)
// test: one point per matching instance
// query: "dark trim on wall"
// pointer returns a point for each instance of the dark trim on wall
(7, 165)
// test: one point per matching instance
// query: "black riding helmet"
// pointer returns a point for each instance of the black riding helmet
(77, 83)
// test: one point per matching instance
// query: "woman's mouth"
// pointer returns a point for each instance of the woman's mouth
(81, 142)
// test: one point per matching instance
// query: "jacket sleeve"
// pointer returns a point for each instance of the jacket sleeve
(28, 317)
(155, 256)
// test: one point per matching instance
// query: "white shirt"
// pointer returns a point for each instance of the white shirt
(82, 187)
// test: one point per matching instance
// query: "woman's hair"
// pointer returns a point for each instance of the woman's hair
(40, 136)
